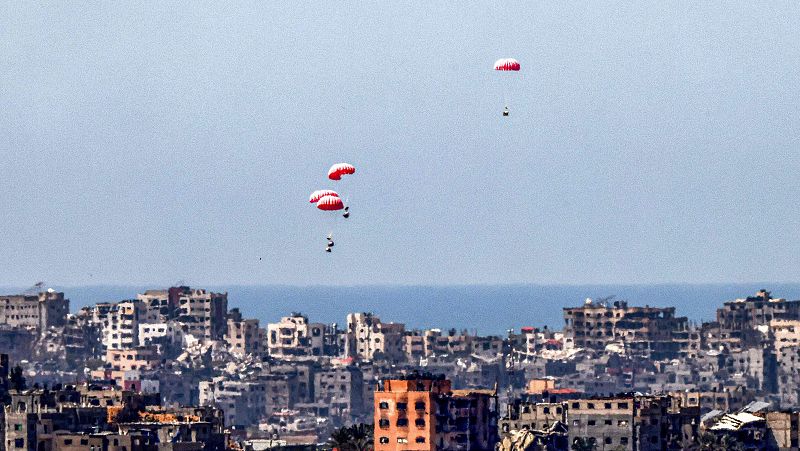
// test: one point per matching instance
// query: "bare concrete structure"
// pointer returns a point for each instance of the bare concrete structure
(47, 309)
(644, 331)
(368, 338)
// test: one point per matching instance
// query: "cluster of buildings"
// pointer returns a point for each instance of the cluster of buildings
(615, 377)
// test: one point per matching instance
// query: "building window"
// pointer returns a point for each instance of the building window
(607, 440)
(623, 440)
(607, 405)
(384, 440)
(420, 440)
(402, 406)
(420, 422)
(622, 423)
(419, 405)
(623, 405)
(67, 441)
(383, 423)
(546, 410)
(19, 443)
(608, 422)
(402, 422)
(402, 440)
(590, 422)
(383, 405)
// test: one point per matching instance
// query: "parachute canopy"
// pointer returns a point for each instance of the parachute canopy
(330, 203)
(506, 64)
(320, 193)
(339, 169)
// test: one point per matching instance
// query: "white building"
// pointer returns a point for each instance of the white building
(368, 338)
(294, 335)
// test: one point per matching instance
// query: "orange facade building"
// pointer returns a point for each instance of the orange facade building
(423, 413)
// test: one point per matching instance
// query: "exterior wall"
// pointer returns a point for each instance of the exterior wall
(533, 416)
(369, 339)
(202, 313)
(157, 306)
(341, 389)
(609, 421)
(243, 337)
(425, 414)
(53, 309)
(724, 400)
(782, 430)
(758, 310)
(646, 331)
(291, 336)
(400, 425)
(47, 309)
(132, 359)
(121, 324)
(150, 333)
(243, 403)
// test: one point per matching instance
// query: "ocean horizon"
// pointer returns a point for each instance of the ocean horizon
(485, 309)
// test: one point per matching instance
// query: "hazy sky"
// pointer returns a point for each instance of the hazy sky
(649, 141)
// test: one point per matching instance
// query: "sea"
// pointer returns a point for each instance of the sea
(482, 309)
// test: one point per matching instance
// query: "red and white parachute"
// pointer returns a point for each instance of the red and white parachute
(339, 169)
(506, 66)
(320, 193)
(330, 203)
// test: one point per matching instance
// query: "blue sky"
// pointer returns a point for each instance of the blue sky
(147, 142)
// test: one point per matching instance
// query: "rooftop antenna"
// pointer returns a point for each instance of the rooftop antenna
(35, 289)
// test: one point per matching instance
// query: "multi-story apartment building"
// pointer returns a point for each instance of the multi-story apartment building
(645, 331)
(140, 358)
(537, 416)
(424, 413)
(42, 311)
(201, 313)
(785, 332)
(758, 310)
(340, 388)
(623, 422)
(723, 399)
(165, 334)
(243, 336)
(243, 402)
(157, 306)
(120, 323)
(369, 339)
(294, 335)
